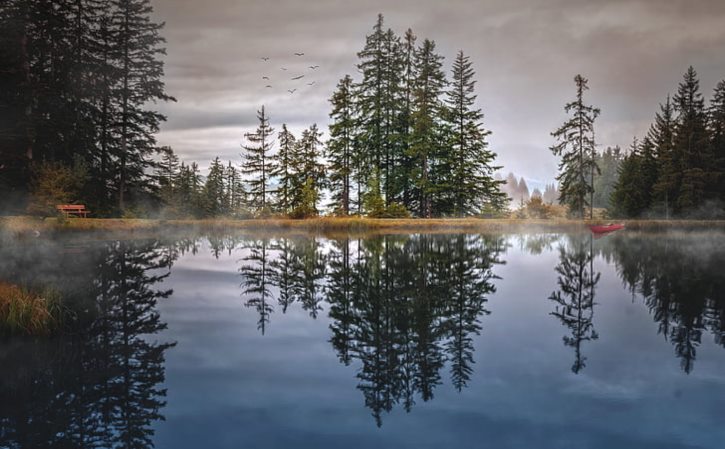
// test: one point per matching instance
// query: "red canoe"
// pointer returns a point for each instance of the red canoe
(601, 229)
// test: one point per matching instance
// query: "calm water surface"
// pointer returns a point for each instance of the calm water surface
(406, 341)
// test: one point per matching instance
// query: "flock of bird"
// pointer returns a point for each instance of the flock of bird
(294, 78)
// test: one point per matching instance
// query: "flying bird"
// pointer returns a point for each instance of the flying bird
(263, 58)
(265, 77)
(299, 54)
(291, 90)
(298, 77)
(313, 67)
(309, 84)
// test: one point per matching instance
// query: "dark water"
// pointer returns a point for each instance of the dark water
(415, 341)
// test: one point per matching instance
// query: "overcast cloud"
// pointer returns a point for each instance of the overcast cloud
(525, 52)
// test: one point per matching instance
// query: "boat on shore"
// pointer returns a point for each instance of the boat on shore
(605, 228)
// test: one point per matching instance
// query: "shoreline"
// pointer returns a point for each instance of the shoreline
(23, 225)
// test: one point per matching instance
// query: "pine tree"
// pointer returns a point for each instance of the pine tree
(669, 175)
(213, 193)
(716, 115)
(522, 193)
(310, 168)
(691, 144)
(405, 162)
(138, 51)
(630, 197)
(340, 146)
(471, 183)
(167, 172)
(258, 164)
(576, 147)
(608, 162)
(283, 170)
(551, 194)
(426, 130)
(380, 105)
(234, 188)
(370, 93)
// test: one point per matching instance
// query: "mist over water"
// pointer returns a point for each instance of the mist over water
(422, 340)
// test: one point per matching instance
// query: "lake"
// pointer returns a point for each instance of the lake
(538, 340)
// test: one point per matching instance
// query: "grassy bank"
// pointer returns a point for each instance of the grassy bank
(29, 226)
(24, 312)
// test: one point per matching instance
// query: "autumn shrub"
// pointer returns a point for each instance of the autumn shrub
(23, 312)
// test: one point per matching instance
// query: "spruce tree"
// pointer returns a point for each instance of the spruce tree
(662, 134)
(284, 170)
(370, 93)
(426, 133)
(213, 193)
(471, 185)
(258, 165)
(608, 162)
(575, 145)
(311, 171)
(167, 173)
(716, 115)
(138, 51)
(234, 189)
(629, 198)
(691, 144)
(340, 146)
(405, 162)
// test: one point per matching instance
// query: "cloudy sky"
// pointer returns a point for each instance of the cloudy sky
(525, 52)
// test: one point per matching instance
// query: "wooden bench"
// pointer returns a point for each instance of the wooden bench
(73, 209)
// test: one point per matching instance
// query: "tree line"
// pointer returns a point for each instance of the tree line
(676, 170)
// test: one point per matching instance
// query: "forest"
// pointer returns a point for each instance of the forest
(82, 81)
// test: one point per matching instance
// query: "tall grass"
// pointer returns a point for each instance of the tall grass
(23, 312)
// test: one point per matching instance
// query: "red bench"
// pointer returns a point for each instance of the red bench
(73, 209)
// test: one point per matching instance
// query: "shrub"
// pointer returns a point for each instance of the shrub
(53, 184)
(27, 313)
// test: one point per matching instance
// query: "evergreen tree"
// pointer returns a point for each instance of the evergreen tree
(213, 196)
(403, 181)
(716, 115)
(669, 175)
(167, 173)
(138, 50)
(426, 136)
(691, 144)
(340, 146)
(258, 164)
(370, 93)
(575, 145)
(630, 197)
(608, 162)
(310, 167)
(234, 189)
(283, 170)
(551, 194)
(471, 184)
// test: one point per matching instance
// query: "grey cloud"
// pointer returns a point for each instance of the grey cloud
(525, 52)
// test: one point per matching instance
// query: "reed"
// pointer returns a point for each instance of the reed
(23, 312)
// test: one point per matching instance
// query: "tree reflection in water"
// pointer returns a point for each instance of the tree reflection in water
(402, 307)
(575, 297)
(682, 282)
(100, 386)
